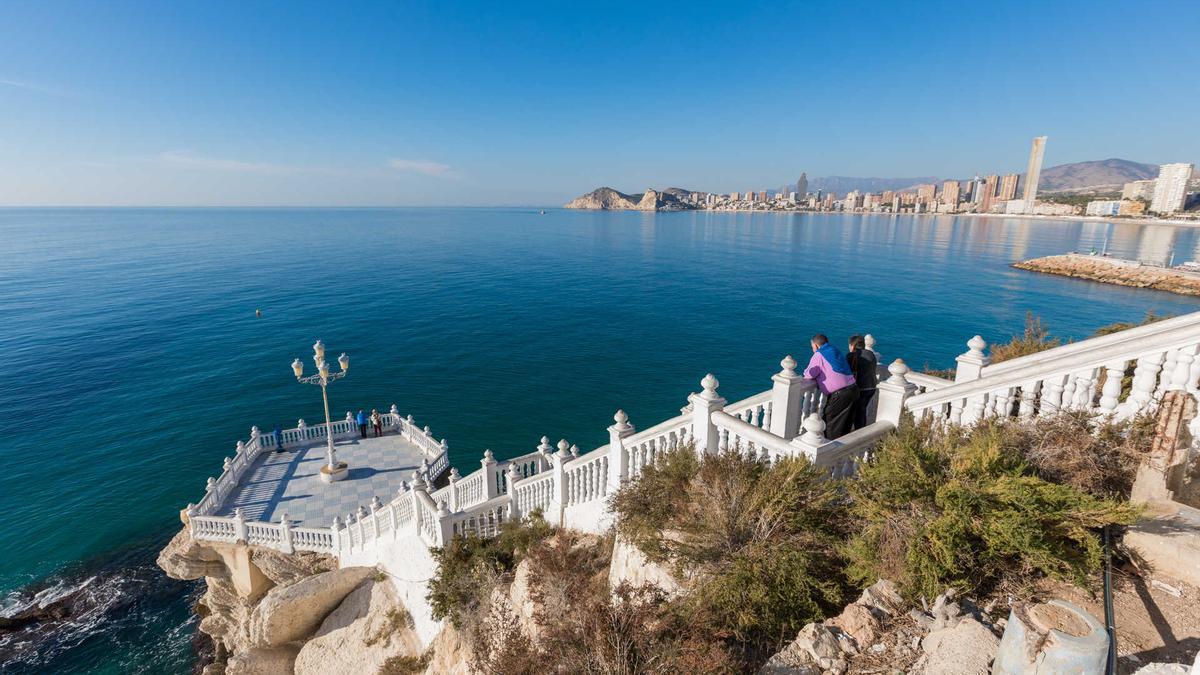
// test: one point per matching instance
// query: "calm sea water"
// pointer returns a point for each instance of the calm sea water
(133, 359)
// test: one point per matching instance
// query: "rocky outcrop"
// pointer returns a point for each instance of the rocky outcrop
(294, 612)
(1112, 271)
(449, 653)
(369, 628)
(629, 565)
(608, 199)
(184, 558)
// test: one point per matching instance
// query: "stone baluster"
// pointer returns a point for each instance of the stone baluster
(228, 463)
(956, 410)
(376, 505)
(1145, 379)
(418, 487)
(972, 362)
(1182, 370)
(1110, 393)
(813, 440)
(394, 419)
(703, 406)
(893, 392)
(408, 428)
(1052, 394)
(574, 451)
(544, 451)
(560, 483)
(488, 464)
(618, 464)
(722, 444)
(452, 490)
(359, 516)
(768, 409)
(445, 529)
(1085, 389)
(787, 395)
(1029, 392)
(255, 436)
(285, 535)
(239, 526)
(513, 477)
(1168, 371)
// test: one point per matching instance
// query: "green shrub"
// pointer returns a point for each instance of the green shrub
(1036, 338)
(760, 542)
(470, 567)
(963, 508)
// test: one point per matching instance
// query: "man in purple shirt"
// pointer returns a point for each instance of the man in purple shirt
(835, 379)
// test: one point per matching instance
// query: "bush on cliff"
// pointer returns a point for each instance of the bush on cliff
(470, 567)
(964, 508)
(760, 542)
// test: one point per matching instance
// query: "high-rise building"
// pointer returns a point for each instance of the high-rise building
(802, 184)
(1139, 189)
(761, 196)
(925, 193)
(1170, 190)
(1034, 172)
(1008, 187)
(950, 192)
(989, 192)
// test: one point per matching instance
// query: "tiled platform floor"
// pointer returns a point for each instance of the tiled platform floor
(288, 481)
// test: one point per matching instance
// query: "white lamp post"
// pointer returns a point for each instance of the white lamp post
(333, 469)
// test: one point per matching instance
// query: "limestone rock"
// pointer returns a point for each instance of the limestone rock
(184, 558)
(449, 653)
(606, 198)
(262, 661)
(290, 613)
(225, 615)
(284, 569)
(368, 628)
(814, 650)
(631, 566)
(882, 596)
(521, 602)
(967, 648)
(858, 622)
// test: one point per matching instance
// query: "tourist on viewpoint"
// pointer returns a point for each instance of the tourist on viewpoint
(377, 422)
(865, 366)
(835, 379)
(278, 434)
(361, 419)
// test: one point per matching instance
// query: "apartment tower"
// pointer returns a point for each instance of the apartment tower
(1034, 172)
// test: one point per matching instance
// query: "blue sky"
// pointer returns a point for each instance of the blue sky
(257, 103)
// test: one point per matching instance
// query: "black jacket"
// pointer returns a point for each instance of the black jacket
(865, 367)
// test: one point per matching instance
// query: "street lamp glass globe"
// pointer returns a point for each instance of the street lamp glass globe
(344, 362)
(324, 369)
(298, 367)
(319, 350)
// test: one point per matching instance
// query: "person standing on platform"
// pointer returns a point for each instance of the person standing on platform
(835, 379)
(866, 376)
(361, 419)
(377, 422)
(278, 433)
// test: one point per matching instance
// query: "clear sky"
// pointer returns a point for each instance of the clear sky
(451, 102)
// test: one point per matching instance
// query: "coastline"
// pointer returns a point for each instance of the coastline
(1115, 271)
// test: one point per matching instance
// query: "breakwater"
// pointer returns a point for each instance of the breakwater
(1116, 271)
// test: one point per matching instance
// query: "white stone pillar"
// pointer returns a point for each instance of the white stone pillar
(254, 438)
(560, 480)
(544, 451)
(1182, 369)
(451, 491)
(239, 526)
(618, 458)
(513, 476)
(972, 362)
(445, 524)
(336, 529)
(893, 392)
(1111, 392)
(395, 416)
(418, 488)
(488, 464)
(786, 397)
(704, 405)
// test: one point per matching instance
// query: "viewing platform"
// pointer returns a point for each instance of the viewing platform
(287, 481)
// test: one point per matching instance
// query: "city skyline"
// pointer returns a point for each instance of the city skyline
(369, 104)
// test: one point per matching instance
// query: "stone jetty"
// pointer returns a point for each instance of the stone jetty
(1116, 271)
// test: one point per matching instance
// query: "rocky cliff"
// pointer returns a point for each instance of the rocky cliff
(608, 199)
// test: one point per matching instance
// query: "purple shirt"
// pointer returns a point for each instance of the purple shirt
(828, 380)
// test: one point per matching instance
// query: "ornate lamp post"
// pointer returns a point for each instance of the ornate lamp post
(333, 469)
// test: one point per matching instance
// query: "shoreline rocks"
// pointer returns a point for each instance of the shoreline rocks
(1115, 271)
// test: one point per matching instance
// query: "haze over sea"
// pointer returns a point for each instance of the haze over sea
(134, 360)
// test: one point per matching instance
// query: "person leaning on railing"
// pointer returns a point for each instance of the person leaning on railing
(866, 376)
(834, 377)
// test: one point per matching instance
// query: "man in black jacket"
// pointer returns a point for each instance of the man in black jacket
(866, 377)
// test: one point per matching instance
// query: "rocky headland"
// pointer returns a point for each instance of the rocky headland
(1116, 271)
(608, 199)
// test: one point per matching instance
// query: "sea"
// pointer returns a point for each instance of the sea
(134, 358)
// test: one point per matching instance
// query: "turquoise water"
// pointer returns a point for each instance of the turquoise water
(134, 360)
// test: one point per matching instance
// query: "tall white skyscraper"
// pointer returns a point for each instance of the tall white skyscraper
(1034, 172)
(1170, 190)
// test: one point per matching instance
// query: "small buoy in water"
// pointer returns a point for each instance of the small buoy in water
(258, 313)
(543, 212)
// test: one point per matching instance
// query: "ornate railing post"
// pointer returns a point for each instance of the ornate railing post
(513, 477)
(453, 480)
(560, 480)
(418, 487)
(491, 486)
(285, 535)
(813, 439)
(618, 458)
(239, 526)
(445, 528)
(336, 529)
(703, 405)
(893, 392)
(254, 442)
(394, 418)
(971, 362)
(544, 451)
(786, 397)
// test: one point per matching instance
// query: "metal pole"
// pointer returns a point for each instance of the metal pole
(329, 456)
(1110, 623)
